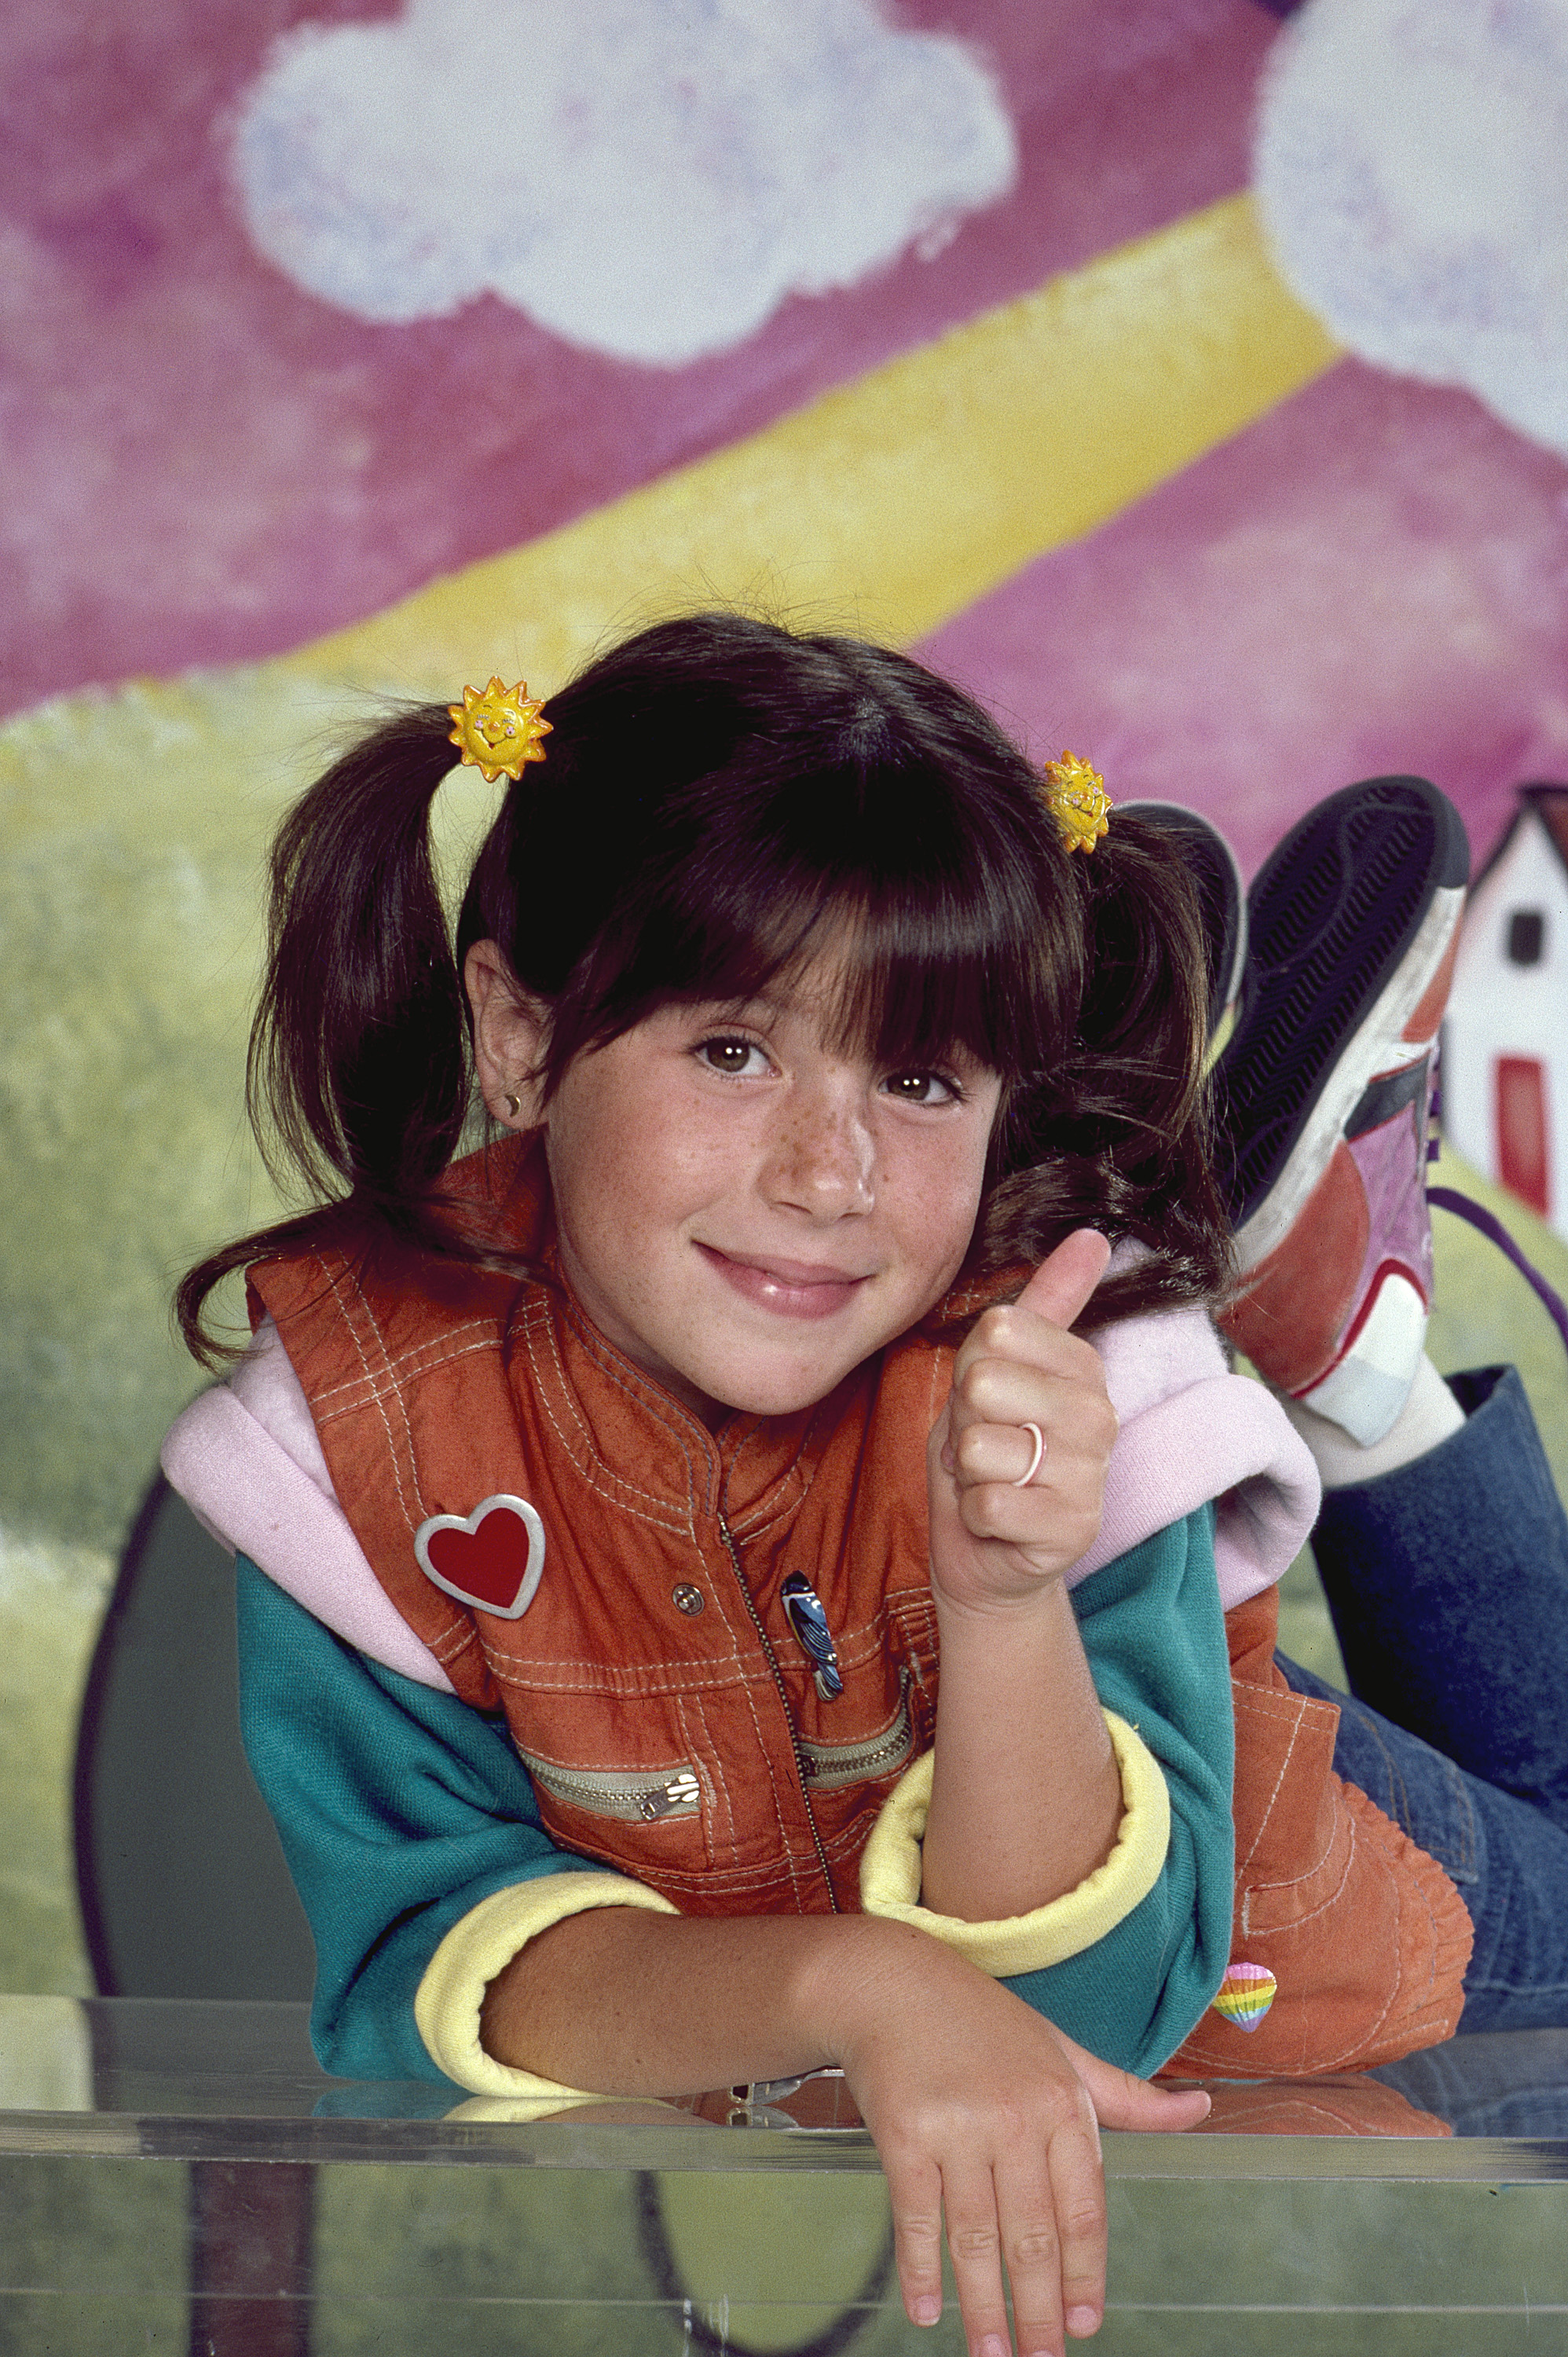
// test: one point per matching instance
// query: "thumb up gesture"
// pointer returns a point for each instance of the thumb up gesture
(1017, 1459)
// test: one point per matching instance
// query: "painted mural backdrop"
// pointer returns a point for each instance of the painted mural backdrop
(1189, 378)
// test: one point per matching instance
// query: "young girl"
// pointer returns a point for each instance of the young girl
(605, 1500)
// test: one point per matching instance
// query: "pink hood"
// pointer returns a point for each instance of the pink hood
(246, 1458)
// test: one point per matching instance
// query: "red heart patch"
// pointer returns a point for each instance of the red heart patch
(492, 1558)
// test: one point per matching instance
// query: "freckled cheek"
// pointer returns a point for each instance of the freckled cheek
(941, 1211)
(701, 1161)
(596, 1193)
(639, 1194)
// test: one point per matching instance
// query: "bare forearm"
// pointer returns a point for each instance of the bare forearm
(978, 2106)
(635, 2003)
(1026, 1796)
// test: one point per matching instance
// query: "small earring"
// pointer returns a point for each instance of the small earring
(513, 1106)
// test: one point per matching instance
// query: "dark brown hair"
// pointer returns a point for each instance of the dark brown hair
(721, 797)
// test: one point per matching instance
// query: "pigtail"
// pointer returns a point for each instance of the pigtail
(1121, 1136)
(359, 1066)
(359, 1076)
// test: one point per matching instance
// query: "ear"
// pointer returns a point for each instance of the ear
(509, 1032)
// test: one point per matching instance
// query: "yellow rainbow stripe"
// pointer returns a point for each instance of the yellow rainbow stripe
(890, 504)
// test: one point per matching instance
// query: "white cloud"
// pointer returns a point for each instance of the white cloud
(1412, 170)
(648, 178)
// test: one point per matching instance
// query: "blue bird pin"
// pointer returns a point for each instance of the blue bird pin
(809, 1623)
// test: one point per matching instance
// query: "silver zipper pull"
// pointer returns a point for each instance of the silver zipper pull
(662, 1798)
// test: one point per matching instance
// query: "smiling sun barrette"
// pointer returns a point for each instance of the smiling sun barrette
(497, 730)
(1077, 800)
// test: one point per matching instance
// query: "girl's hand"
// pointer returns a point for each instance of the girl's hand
(985, 2116)
(994, 1544)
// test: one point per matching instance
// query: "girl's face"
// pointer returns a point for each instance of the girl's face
(746, 1211)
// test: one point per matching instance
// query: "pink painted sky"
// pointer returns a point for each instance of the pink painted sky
(1372, 578)
(200, 464)
(203, 464)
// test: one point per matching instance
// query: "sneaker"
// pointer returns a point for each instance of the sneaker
(1222, 901)
(1325, 1094)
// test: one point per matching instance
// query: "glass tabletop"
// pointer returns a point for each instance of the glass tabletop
(184, 2078)
(180, 2178)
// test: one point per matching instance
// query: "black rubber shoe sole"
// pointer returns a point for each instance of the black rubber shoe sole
(1332, 912)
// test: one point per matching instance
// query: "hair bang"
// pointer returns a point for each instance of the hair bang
(920, 978)
(926, 945)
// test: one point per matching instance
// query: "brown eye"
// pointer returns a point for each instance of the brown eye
(731, 1056)
(921, 1087)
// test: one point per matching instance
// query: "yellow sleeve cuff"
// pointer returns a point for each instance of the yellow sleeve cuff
(890, 1870)
(479, 1946)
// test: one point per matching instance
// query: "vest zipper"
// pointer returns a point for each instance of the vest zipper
(833, 1765)
(629, 1793)
(803, 1768)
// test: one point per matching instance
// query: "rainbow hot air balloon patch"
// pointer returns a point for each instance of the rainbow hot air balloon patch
(1245, 1995)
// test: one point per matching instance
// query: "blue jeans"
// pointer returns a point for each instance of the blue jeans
(1448, 1584)
(1508, 2082)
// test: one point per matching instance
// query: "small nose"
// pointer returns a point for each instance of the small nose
(823, 1157)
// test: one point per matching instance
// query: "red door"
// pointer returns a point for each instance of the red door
(1522, 1160)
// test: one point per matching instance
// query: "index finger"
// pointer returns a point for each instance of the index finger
(1065, 1279)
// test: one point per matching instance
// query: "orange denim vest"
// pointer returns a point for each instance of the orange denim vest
(1364, 1933)
(655, 1688)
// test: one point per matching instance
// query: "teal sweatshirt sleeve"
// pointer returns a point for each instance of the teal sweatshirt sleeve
(399, 1808)
(1155, 1635)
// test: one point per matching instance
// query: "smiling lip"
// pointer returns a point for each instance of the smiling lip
(795, 1288)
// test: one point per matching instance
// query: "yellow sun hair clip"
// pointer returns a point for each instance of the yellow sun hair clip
(498, 729)
(1077, 800)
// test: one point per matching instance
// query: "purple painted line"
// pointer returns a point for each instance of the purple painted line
(1448, 1198)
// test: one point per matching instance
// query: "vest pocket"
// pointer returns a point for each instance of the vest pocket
(632, 1795)
(831, 1766)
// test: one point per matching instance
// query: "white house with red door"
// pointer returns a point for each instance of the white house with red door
(1504, 1043)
